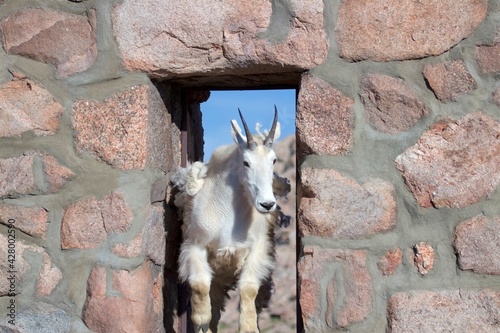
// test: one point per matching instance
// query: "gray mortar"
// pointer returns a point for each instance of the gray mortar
(281, 20)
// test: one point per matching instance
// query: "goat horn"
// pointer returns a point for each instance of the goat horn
(270, 136)
(250, 141)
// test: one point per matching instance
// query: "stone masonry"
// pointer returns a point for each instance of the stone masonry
(398, 156)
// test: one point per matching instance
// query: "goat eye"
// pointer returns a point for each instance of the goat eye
(274, 161)
(245, 163)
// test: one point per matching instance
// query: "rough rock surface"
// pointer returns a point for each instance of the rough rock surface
(64, 40)
(38, 317)
(487, 58)
(229, 36)
(154, 235)
(391, 105)
(496, 96)
(31, 220)
(444, 311)
(128, 130)
(477, 242)
(449, 80)
(390, 261)
(422, 257)
(49, 276)
(25, 106)
(336, 206)
(16, 176)
(87, 223)
(32, 173)
(130, 249)
(140, 305)
(384, 30)
(56, 175)
(346, 270)
(325, 118)
(455, 163)
(151, 241)
(21, 265)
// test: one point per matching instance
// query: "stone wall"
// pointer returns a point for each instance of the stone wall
(399, 141)
(398, 133)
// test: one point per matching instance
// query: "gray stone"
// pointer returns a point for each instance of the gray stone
(449, 80)
(154, 235)
(455, 163)
(336, 206)
(457, 310)
(347, 288)
(391, 105)
(390, 261)
(477, 242)
(136, 308)
(422, 257)
(487, 58)
(39, 318)
(384, 30)
(17, 175)
(21, 265)
(49, 277)
(25, 106)
(87, 223)
(496, 96)
(64, 40)
(31, 220)
(325, 118)
(168, 39)
(128, 130)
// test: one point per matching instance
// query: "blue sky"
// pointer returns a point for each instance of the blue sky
(256, 106)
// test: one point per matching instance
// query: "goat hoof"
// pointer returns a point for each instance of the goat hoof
(204, 328)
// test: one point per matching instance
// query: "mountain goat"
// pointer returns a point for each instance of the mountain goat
(230, 210)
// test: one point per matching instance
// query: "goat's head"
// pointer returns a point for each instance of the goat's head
(255, 163)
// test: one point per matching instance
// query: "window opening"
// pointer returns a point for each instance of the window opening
(258, 106)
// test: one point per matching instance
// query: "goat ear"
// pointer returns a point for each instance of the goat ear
(277, 132)
(236, 133)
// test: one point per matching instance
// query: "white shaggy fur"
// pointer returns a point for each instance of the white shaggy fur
(229, 216)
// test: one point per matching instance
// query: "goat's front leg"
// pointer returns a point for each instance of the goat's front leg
(248, 312)
(257, 267)
(193, 266)
(201, 310)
